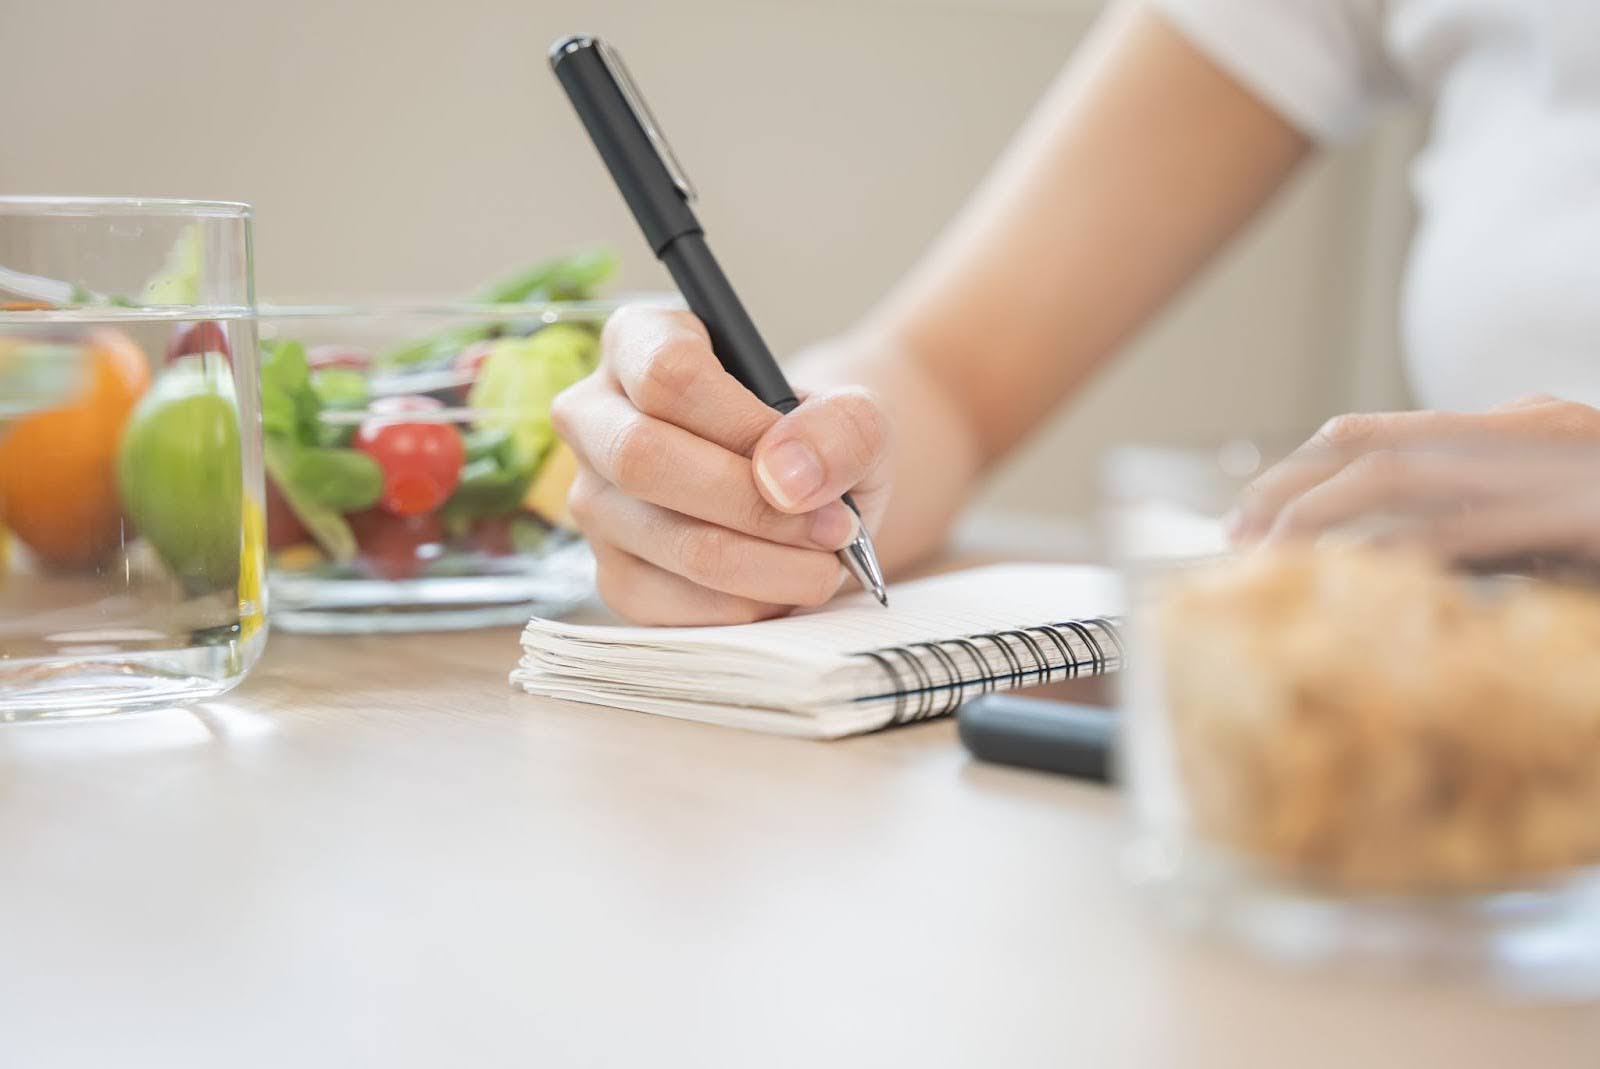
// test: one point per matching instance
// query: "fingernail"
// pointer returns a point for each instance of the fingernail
(833, 526)
(791, 472)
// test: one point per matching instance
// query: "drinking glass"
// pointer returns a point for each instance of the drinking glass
(1369, 736)
(131, 518)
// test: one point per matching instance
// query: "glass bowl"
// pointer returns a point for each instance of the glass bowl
(1372, 740)
(414, 481)
(130, 459)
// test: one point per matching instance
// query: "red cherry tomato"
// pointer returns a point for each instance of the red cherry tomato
(203, 336)
(421, 461)
(341, 356)
(283, 526)
(395, 547)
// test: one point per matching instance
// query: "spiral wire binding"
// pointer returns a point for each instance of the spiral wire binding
(998, 659)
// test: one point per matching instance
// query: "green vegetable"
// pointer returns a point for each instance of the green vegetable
(440, 348)
(325, 525)
(488, 489)
(569, 278)
(179, 472)
(493, 442)
(493, 483)
(520, 379)
(340, 388)
(298, 462)
(288, 404)
(178, 281)
(344, 480)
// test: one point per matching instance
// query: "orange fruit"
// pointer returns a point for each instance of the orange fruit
(58, 490)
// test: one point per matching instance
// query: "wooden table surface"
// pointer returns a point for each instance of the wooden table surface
(374, 853)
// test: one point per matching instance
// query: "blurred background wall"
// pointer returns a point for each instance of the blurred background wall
(394, 148)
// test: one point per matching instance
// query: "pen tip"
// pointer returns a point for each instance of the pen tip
(882, 596)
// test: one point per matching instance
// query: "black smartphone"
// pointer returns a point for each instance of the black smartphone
(1054, 736)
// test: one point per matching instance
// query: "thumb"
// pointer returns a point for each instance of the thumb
(813, 455)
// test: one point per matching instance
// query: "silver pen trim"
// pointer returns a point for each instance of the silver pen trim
(860, 559)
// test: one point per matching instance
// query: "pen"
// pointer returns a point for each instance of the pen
(658, 193)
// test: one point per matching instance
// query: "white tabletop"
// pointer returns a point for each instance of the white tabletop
(374, 853)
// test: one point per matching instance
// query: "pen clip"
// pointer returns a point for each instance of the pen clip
(647, 121)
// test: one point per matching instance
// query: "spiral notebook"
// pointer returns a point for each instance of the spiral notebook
(848, 668)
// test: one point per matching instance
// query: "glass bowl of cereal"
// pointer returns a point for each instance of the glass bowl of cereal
(1367, 729)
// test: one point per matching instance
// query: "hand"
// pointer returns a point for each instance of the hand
(703, 505)
(1522, 479)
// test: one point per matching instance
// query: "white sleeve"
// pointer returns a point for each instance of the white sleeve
(1319, 63)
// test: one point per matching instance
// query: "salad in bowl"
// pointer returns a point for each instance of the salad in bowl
(414, 479)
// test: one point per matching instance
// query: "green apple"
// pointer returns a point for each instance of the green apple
(179, 472)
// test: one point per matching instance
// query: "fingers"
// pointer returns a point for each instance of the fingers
(1460, 505)
(685, 525)
(1567, 525)
(829, 445)
(704, 554)
(1339, 442)
(1390, 481)
(649, 595)
(1503, 479)
(833, 443)
(663, 361)
(667, 466)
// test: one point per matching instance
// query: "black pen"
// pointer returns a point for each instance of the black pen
(659, 193)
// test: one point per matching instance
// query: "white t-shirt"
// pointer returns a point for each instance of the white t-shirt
(1502, 292)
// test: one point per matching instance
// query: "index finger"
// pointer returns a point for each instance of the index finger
(663, 361)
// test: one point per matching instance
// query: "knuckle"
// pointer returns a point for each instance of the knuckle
(1533, 400)
(566, 411)
(1348, 430)
(583, 499)
(1569, 418)
(759, 518)
(868, 423)
(710, 555)
(618, 326)
(684, 322)
(634, 454)
(668, 371)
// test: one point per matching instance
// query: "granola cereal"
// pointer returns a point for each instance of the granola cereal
(1367, 720)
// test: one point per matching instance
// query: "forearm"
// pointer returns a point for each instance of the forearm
(1139, 164)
